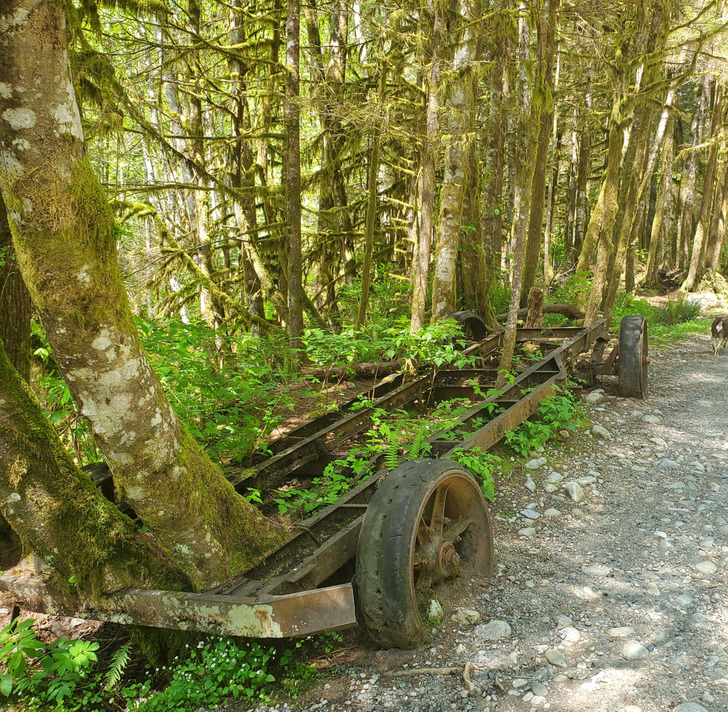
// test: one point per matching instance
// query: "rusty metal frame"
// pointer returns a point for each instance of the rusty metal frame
(274, 601)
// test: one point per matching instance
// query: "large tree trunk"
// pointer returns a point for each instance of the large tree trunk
(59, 513)
(292, 173)
(663, 205)
(424, 218)
(690, 174)
(460, 105)
(15, 307)
(703, 226)
(64, 237)
(547, 53)
(528, 129)
(495, 141)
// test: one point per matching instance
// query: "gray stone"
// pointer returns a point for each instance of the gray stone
(530, 513)
(465, 616)
(556, 657)
(569, 634)
(538, 688)
(586, 480)
(634, 651)
(596, 569)
(706, 568)
(562, 621)
(519, 682)
(435, 611)
(668, 464)
(650, 419)
(595, 397)
(495, 630)
(527, 532)
(689, 707)
(550, 488)
(622, 632)
(529, 484)
(551, 512)
(535, 464)
(601, 432)
(575, 491)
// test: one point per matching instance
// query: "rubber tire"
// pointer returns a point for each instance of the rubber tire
(472, 325)
(633, 357)
(384, 581)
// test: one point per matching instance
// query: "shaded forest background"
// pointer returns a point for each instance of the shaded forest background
(327, 177)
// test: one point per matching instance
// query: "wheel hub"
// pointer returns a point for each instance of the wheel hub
(446, 561)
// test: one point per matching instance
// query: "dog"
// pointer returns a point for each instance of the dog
(719, 333)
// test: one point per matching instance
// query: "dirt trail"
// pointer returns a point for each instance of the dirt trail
(615, 602)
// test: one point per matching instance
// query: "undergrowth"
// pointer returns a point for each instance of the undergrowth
(231, 389)
(66, 676)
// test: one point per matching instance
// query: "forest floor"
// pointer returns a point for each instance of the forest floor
(616, 602)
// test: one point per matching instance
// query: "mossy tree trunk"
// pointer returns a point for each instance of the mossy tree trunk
(424, 216)
(59, 513)
(702, 229)
(64, 236)
(459, 111)
(15, 307)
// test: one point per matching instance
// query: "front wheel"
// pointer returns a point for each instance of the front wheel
(428, 522)
(633, 357)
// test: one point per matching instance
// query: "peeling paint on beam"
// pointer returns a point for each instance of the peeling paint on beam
(293, 615)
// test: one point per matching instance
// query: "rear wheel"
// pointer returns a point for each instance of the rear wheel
(471, 324)
(428, 522)
(633, 357)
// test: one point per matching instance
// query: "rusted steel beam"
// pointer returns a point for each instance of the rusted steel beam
(292, 615)
(324, 562)
(495, 430)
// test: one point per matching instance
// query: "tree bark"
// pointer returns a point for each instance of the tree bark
(15, 306)
(662, 205)
(64, 237)
(460, 105)
(547, 54)
(703, 226)
(424, 217)
(59, 513)
(528, 131)
(366, 270)
(690, 173)
(292, 173)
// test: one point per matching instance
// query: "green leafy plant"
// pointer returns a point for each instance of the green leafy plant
(217, 671)
(482, 465)
(48, 673)
(678, 310)
(558, 411)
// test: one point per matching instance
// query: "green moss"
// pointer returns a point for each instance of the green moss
(59, 513)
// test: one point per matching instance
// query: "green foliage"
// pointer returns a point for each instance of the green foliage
(555, 412)
(482, 465)
(119, 661)
(211, 673)
(44, 673)
(678, 310)
(626, 304)
(392, 436)
(438, 344)
(58, 405)
(227, 388)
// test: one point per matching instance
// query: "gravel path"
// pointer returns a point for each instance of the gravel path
(615, 602)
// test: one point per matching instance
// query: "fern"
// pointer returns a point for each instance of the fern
(391, 456)
(119, 660)
(415, 448)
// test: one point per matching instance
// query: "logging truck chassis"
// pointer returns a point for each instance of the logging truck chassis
(327, 576)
